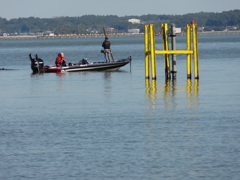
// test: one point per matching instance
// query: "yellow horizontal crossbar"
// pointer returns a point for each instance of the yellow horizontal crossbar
(171, 52)
(174, 52)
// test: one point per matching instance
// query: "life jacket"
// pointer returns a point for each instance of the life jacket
(106, 44)
(59, 60)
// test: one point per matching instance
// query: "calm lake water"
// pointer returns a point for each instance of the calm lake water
(114, 125)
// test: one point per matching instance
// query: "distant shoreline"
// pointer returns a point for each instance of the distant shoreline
(69, 36)
(109, 35)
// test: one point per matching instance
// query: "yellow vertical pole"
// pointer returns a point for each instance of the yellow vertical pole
(189, 56)
(166, 48)
(163, 43)
(147, 56)
(153, 55)
(195, 51)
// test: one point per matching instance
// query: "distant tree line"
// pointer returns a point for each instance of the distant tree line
(94, 23)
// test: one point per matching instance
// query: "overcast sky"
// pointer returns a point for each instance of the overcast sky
(53, 8)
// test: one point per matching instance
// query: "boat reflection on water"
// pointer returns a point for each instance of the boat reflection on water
(171, 95)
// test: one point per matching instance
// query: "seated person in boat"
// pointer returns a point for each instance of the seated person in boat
(60, 60)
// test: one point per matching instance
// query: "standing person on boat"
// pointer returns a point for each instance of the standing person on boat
(60, 60)
(107, 50)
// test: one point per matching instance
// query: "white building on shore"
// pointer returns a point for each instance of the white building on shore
(134, 21)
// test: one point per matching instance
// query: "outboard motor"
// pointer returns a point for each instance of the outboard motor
(37, 64)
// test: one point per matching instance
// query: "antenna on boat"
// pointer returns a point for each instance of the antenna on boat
(130, 62)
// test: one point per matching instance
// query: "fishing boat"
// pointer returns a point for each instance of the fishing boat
(38, 66)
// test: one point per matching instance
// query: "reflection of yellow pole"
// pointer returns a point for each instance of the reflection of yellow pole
(196, 84)
(147, 57)
(154, 87)
(195, 51)
(167, 85)
(166, 92)
(192, 93)
(151, 92)
(153, 55)
(147, 85)
(189, 88)
(189, 56)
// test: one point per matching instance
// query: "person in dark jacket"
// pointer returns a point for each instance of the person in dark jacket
(107, 50)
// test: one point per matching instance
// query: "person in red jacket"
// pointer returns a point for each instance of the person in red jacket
(60, 60)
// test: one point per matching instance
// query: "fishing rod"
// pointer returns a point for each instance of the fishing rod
(104, 32)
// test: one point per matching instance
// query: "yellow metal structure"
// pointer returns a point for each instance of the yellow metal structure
(153, 54)
(191, 49)
(149, 39)
(195, 51)
(147, 57)
(166, 49)
(189, 55)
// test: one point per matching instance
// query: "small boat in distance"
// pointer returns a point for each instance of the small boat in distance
(37, 66)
